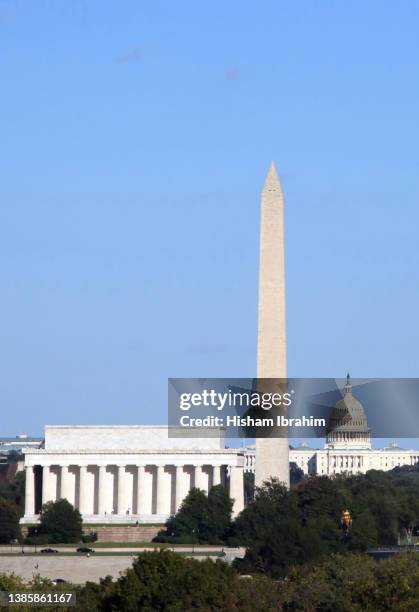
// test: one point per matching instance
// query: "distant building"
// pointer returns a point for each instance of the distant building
(11, 453)
(8, 445)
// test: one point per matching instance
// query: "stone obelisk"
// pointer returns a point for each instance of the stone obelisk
(272, 454)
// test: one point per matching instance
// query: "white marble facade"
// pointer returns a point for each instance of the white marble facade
(121, 474)
(344, 460)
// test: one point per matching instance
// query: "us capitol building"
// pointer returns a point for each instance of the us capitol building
(348, 445)
(117, 474)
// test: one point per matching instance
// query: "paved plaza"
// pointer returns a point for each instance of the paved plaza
(73, 569)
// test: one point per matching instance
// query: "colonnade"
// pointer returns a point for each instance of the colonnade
(141, 490)
(350, 462)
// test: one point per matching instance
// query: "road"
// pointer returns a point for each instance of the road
(15, 549)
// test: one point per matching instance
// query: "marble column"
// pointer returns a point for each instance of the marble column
(140, 489)
(29, 491)
(237, 488)
(179, 491)
(216, 475)
(101, 490)
(85, 495)
(161, 503)
(201, 481)
(47, 485)
(122, 485)
(66, 488)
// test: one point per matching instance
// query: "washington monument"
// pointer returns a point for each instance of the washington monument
(272, 454)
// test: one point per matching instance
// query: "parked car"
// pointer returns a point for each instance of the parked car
(85, 549)
(59, 581)
(49, 550)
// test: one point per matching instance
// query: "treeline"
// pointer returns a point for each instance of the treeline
(167, 581)
(12, 500)
(282, 528)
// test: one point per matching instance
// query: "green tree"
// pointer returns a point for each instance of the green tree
(220, 506)
(9, 521)
(166, 581)
(296, 473)
(363, 533)
(271, 530)
(340, 582)
(90, 596)
(61, 522)
(249, 487)
(283, 527)
(192, 518)
(200, 518)
(354, 583)
(14, 491)
(296, 476)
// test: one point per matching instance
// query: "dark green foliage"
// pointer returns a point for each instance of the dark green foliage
(354, 583)
(200, 519)
(249, 487)
(89, 537)
(220, 506)
(282, 528)
(34, 538)
(166, 581)
(296, 473)
(9, 521)
(61, 522)
(14, 491)
(363, 534)
(192, 518)
(90, 596)
(278, 532)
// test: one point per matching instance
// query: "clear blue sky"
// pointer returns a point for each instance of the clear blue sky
(135, 137)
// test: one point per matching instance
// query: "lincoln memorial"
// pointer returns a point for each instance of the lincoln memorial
(121, 474)
(124, 473)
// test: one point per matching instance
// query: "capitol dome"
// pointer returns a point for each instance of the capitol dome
(348, 425)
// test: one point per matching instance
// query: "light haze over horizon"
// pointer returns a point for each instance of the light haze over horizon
(136, 139)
